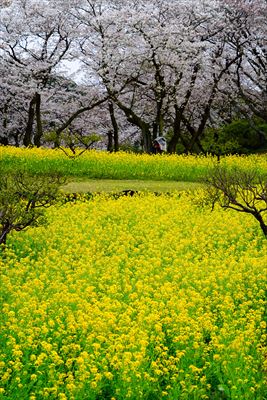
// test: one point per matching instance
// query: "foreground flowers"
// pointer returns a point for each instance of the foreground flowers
(140, 298)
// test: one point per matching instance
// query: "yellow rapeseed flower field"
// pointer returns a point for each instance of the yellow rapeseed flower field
(99, 164)
(144, 297)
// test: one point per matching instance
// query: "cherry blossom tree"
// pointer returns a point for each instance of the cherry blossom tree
(170, 80)
(246, 35)
(36, 39)
(157, 68)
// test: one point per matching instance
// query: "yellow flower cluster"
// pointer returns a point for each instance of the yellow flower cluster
(134, 298)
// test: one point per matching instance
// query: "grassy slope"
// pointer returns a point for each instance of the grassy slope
(113, 185)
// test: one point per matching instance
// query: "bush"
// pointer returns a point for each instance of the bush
(23, 198)
(240, 136)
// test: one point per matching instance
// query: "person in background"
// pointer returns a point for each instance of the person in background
(159, 145)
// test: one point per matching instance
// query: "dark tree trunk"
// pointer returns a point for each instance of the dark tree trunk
(159, 123)
(263, 226)
(4, 140)
(146, 137)
(176, 131)
(114, 125)
(39, 133)
(16, 138)
(173, 142)
(199, 145)
(5, 231)
(27, 140)
(110, 141)
(154, 130)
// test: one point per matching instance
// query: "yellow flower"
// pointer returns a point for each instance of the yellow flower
(62, 396)
(154, 287)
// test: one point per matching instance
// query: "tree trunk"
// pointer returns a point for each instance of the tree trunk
(4, 140)
(159, 123)
(173, 142)
(27, 140)
(146, 135)
(39, 133)
(176, 131)
(262, 224)
(114, 125)
(110, 141)
(199, 145)
(5, 230)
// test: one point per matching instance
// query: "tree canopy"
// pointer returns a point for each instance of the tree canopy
(143, 69)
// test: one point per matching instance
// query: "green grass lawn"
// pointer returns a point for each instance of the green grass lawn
(114, 185)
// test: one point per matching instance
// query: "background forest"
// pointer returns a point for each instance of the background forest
(120, 73)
